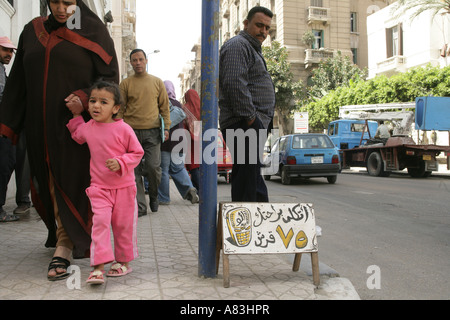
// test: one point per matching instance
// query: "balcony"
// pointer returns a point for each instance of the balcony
(318, 14)
(127, 29)
(225, 9)
(314, 56)
(392, 65)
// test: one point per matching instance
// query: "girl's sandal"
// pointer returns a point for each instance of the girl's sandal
(96, 277)
(119, 270)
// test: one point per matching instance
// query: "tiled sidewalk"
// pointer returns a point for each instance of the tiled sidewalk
(167, 268)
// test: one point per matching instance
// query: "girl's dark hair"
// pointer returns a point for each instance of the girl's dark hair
(110, 87)
(257, 9)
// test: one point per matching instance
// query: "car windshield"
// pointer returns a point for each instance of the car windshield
(310, 142)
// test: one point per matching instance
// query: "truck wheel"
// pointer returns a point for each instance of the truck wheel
(285, 178)
(375, 165)
(419, 172)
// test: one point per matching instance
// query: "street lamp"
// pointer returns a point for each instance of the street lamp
(153, 52)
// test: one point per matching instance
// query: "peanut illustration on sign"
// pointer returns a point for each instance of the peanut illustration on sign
(239, 224)
(270, 228)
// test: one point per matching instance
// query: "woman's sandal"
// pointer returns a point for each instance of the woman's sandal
(119, 270)
(58, 263)
(96, 277)
(4, 217)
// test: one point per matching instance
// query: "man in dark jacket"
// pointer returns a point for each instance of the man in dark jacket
(7, 149)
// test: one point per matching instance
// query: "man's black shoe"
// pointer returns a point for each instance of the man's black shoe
(154, 204)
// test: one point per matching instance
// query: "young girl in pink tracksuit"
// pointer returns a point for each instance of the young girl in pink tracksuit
(115, 152)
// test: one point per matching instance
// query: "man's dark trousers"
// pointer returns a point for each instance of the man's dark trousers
(247, 184)
(7, 163)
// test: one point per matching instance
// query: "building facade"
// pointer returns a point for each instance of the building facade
(337, 25)
(190, 76)
(123, 32)
(399, 44)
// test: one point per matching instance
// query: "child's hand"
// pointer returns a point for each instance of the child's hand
(113, 165)
(74, 104)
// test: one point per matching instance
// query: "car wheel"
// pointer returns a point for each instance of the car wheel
(285, 178)
(332, 179)
(267, 177)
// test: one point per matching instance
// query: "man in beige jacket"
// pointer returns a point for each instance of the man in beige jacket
(145, 99)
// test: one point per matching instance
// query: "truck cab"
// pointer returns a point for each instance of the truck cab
(347, 134)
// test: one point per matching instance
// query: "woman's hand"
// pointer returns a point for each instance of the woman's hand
(73, 102)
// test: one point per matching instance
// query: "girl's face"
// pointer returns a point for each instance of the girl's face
(102, 106)
(62, 9)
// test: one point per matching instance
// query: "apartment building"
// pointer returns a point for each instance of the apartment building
(118, 15)
(123, 32)
(399, 44)
(337, 25)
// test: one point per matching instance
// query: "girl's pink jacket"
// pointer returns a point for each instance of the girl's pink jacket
(106, 141)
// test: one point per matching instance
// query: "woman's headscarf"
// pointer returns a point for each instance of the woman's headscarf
(91, 27)
(170, 88)
(192, 109)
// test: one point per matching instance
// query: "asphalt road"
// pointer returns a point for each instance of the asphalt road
(389, 236)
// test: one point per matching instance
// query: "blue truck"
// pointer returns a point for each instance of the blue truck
(400, 151)
(349, 134)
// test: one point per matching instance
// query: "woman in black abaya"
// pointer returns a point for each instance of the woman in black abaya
(58, 58)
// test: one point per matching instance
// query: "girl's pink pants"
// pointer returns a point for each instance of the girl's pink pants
(116, 208)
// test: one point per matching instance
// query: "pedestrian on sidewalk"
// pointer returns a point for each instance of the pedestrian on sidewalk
(246, 103)
(115, 153)
(7, 149)
(57, 62)
(192, 123)
(172, 163)
(145, 103)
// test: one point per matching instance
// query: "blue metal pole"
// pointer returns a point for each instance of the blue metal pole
(209, 113)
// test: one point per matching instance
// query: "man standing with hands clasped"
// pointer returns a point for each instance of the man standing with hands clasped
(247, 103)
(145, 99)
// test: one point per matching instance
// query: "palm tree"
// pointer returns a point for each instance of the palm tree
(437, 7)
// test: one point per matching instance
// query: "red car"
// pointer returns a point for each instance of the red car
(224, 159)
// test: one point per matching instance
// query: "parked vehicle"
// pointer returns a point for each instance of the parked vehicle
(225, 162)
(348, 134)
(303, 155)
(399, 152)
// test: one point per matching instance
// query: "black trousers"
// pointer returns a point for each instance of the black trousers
(14, 158)
(247, 183)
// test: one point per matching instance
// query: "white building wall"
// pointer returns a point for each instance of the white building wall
(12, 20)
(423, 39)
